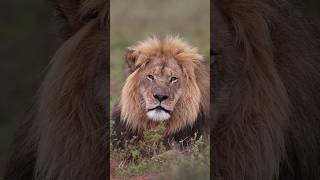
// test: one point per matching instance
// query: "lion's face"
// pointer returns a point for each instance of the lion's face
(160, 87)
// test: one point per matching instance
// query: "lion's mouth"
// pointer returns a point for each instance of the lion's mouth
(158, 114)
(160, 108)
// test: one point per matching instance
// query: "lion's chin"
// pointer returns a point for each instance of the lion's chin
(158, 115)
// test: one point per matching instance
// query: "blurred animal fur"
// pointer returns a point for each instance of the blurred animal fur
(66, 135)
(265, 84)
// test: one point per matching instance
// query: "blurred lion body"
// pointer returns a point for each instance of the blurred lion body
(65, 135)
(265, 91)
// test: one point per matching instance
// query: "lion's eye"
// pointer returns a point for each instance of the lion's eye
(150, 77)
(173, 79)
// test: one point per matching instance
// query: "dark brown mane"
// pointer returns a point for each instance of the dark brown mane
(265, 94)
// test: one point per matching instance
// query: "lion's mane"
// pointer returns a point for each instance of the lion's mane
(192, 108)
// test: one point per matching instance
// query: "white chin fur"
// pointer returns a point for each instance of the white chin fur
(157, 115)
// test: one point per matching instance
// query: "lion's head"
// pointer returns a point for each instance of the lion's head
(160, 86)
(163, 84)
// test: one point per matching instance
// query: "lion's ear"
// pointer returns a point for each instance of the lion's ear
(131, 58)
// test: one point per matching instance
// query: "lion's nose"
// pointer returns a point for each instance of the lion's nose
(160, 97)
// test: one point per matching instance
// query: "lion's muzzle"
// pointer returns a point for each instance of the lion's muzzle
(158, 114)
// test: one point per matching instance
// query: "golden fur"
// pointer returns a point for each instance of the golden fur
(195, 96)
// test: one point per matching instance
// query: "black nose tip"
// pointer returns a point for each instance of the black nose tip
(160, 97)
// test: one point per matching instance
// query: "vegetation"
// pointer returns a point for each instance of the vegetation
(150, 157)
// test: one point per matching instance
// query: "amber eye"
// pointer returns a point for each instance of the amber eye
(150, 77)
(173, 79)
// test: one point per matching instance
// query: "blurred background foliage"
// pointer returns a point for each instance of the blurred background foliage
(28, 40)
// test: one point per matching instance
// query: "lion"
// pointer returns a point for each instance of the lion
(265, 84)
(167, 82)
